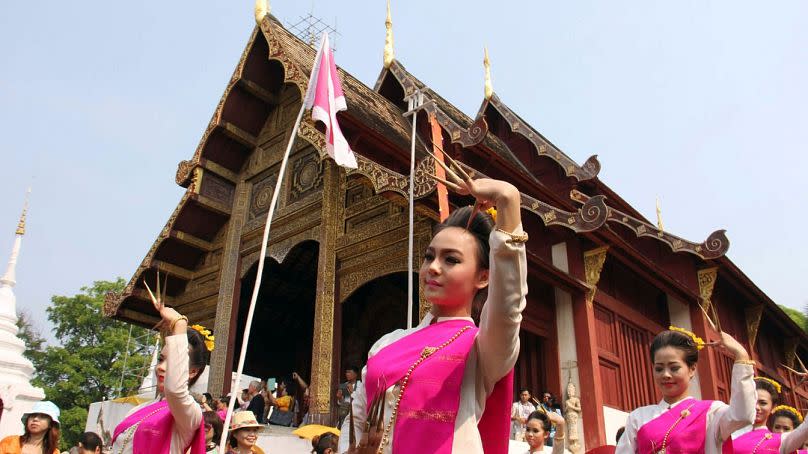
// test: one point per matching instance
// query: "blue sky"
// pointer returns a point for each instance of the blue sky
(700, 103)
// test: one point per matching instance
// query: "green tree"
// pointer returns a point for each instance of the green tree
(34, 342)
(798, 317)
(88, 365)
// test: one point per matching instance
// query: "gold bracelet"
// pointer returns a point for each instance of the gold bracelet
(174, 322)
(515, 237)
(746, 362)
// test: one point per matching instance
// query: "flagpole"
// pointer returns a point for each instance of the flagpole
(412, 227)
(261, 259)
(415, 101)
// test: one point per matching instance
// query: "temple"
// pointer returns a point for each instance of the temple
(602, 279)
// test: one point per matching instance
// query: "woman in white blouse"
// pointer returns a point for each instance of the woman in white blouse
(445, 386)
(681, 423)
(174, 424)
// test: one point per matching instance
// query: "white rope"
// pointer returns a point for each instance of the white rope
(259, 274)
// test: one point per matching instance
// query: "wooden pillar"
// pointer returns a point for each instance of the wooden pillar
(221, 362)
(591, 390)
(322, 362)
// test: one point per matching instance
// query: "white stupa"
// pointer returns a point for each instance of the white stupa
(15, 370)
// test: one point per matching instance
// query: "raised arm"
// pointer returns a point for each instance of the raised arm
(186, 412)
(741, 409)
(498, 338)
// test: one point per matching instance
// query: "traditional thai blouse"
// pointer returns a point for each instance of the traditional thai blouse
(718, 423)
(186, 413)
(492, 356)
(750, 440)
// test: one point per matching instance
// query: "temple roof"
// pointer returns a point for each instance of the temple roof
(274, 58)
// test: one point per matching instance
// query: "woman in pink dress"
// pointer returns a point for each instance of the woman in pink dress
(174, 424)
(445, 386)
(680, 423)
(757, 438)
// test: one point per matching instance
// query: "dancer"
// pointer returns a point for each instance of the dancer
(757, 438)
(173, 424)
(785, 419)
(537, 431)
(445, 385)
(680, 423)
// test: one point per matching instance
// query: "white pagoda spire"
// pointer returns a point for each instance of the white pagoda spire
(15, 370)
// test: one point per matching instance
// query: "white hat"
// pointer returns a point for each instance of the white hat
(45, 407)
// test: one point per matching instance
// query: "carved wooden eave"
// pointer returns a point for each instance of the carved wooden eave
(753, 314)
(593, 265)
(706, 279)
(466, 137)
(715, 246)
(543, 147)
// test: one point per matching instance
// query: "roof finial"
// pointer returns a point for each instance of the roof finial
(261, 10)
(389, 54)
(659, 216)
(21, 224)
(489, 89)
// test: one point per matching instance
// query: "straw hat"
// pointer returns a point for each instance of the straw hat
(46, 408)
(242, 419)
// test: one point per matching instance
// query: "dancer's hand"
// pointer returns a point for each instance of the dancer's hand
(487, 191)
(733, 347)
(169, 318)
(556, 419)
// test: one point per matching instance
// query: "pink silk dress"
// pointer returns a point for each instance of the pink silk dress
(757, 441)
(426, 417)
(679, 430)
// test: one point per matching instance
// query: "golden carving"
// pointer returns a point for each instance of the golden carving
(322, 347)
(790, 345)
(593, 265)
(753, 316)
(227, 284)
(707, 279)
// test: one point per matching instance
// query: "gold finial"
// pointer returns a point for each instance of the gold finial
(389, 54)
(261, 10)
(489, 89)
(659, 216)
(21, 224)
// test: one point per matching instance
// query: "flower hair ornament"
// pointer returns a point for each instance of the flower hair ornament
(493, 213)
(209, 338)
(776, 385)
(789, 409)
(696, 339)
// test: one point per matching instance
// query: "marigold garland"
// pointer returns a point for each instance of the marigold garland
(493, 213)
(209, 338)
(768, 380)
(696, 339)
(789, 409)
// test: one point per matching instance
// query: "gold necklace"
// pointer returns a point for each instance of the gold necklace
(425, 353)
(684, 414)
(134, 427)
(768, 436)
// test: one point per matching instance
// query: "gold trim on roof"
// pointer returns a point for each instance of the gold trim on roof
(389, 53)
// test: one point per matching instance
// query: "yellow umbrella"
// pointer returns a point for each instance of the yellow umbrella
(134, 400)
(312, 430)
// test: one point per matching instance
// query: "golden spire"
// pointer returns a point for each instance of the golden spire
(659, 216)
(261, 10)
(489, 89)
(389, 54)
(21, 224)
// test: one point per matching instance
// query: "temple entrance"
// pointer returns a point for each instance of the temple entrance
(283, 323)
(373, 310)
(530, 371)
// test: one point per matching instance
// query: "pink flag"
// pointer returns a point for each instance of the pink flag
(325, 98)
